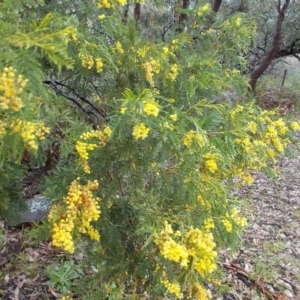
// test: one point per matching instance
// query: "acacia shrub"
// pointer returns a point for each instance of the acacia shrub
(164, 158)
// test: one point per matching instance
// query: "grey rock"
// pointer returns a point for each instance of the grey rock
(38, 209)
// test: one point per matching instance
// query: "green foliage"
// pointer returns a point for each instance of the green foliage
(63, 277)
(11, 203)
(147, 153)
(48, 38)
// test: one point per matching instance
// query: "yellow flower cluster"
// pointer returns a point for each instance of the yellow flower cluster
(236, 110)
(73, 35)
(235, 72)
(174, 44)
(2, 129)
(41, 131)
(11, 86)
(83, 148)
(118, 48)
(102, 135)
(29, 132)
(281, 126)
(255, 160)
(174, 117)
(245, 143)
(191, 136)
(169, 126)
(77, 211)
(198, 292)
(226, 23)
(214, 281)
(271, 153)
(103, 3)
(265, 140)
(151, 67)
(99, 65)
(165, 51)
(271, 136)
(87, 61)
(173, 72)
(142, 51)
(203, 10)
(201, 247)
(208, 224)
(227, 224)
(238, 21)
(252, 127)
(233, 217)
(196, 245)
(240, 221)
(175, 252)
(295, 126)
(204, 203)
(107, 4)
(211, 162)
(151, 107)
(169, 248)
(122, 2)
(140, 131)
(247, 177)
(66, 298)
(172, 287)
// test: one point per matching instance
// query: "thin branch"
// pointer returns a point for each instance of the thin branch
(166, 29)
(80, 97)
(100, 95)
(55, 85)
(297, 56)
(121, 187)
(262, 49)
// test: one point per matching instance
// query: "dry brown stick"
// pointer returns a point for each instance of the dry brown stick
(258, 285)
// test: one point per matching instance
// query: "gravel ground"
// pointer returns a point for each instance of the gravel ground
(268, 265)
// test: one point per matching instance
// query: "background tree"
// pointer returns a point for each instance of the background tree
(277, 35)
(276, 44)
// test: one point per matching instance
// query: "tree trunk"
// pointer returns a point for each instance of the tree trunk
(216, 5)
(276, 44)
(137, 11)
(183, 16)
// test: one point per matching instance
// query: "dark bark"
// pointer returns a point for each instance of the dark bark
(216, 5)
(137, 11)
(292, 49)
(258, 54)
(183, 16)
(125, 16)
(165, 30)
(96, 115)
(276, 44)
